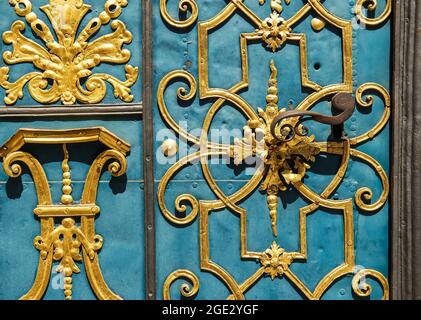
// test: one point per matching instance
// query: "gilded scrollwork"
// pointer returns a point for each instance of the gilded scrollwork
(185, 288)
(363, 289)
(371, 5)
(285, 153)
(64, 64)
(67, 241)
(183, 6)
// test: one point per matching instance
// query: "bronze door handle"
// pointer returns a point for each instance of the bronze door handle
(343, 102)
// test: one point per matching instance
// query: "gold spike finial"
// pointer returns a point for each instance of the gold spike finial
(272, 96)
(66, 198)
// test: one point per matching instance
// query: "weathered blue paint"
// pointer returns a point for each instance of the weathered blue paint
(178, 247)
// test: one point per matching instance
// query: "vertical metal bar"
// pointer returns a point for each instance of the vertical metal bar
(395, 221)
(148, 149)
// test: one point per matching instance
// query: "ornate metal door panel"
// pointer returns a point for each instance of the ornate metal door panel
(71, 100)
(270, 140)
(117, 224)
(257, 197)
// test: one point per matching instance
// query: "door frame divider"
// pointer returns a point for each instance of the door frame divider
(148, 150)
(405, 240)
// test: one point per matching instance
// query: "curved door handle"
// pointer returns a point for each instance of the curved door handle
(343, 102)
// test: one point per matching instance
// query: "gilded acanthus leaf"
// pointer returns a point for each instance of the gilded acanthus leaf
(64, 64)
(67, 240)
(275, 261)
(273, 30)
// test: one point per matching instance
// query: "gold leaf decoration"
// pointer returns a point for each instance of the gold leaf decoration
(285, 162)
(275, 261)
(64, 64)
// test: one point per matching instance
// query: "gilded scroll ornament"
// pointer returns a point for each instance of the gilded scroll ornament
(184, 6)
(279, 139)
(64, 64)
(67, 250)
(363, 289)
(185, 289)
(61, 238)
(371, 6)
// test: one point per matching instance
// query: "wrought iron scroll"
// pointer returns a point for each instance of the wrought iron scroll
(65, 243)
(281, 135)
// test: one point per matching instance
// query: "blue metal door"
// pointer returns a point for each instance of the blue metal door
(256, 197)
(233, 149)
(71, 183)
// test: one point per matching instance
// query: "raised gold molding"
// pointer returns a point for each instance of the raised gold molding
(69, 60)
(275, 261)
(63, 243)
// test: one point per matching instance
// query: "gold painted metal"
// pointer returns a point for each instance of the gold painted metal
(273, 30)
(275, 4)
(363, 289)
(284, 163)
(275, 261)
(272, 176)
(65, 242)
(317, 24)
(184, 6)
(371, 5)
(185, 289)
(64, 63)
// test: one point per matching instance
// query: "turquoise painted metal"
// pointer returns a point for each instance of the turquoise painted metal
(121, 222)
(178, 247)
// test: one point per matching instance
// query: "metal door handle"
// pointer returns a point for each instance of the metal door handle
(343, 102)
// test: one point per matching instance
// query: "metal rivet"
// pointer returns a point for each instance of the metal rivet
(169, 148)
(317, 24)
